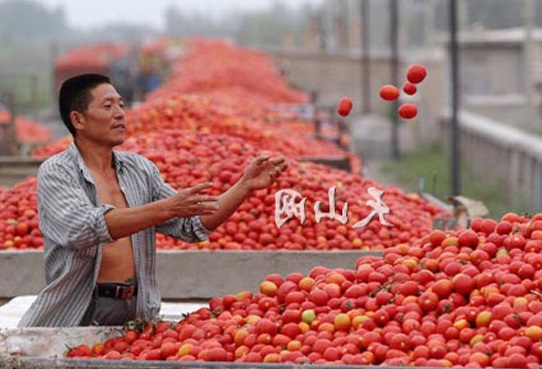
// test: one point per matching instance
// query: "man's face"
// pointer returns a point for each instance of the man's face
(104, 119)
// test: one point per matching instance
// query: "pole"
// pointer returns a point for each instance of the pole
(365, 57)
(454, 67)
(394, 44)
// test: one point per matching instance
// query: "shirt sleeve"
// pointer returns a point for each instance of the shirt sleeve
(66, 214)
(188, 229)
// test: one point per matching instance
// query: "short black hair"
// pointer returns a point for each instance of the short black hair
(75, 94)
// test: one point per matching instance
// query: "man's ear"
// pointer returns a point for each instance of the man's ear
(78, 120)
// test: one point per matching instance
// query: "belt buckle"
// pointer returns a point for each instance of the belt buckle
(125, 292)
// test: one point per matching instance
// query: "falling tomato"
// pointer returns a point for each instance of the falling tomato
(389, 93)
(408, 111)
(345, 106)
(409, 88)
(416, 73)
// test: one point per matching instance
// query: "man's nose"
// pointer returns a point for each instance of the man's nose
(119, 112)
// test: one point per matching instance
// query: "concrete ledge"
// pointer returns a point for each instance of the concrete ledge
(506, 155)
(31, 363)
(21, 273)
(13, 169)
(9, 161)
(503, 135)
(49, 342)
(189, 274)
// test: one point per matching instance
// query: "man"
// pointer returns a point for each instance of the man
(99, 210)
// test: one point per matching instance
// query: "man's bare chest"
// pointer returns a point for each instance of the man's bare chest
(109, 192)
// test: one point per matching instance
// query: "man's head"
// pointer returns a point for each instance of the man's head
(90, 107)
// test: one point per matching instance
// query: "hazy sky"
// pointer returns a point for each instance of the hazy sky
(92, 13)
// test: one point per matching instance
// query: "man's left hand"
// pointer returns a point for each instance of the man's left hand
(263, 171)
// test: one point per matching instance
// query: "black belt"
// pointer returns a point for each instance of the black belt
(118, 291)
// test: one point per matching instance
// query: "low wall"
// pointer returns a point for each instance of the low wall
(13, 169)
(49, 342)
(501, 153)
(189, 274)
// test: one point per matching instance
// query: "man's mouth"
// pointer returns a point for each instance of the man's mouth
(119, 126)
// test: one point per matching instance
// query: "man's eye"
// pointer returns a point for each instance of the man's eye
(108, 106)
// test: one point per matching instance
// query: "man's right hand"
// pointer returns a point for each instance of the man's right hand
(192, 201)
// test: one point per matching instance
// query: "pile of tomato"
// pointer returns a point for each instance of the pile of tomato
(469, 298)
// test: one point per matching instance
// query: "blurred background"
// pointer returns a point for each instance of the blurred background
(329, 49)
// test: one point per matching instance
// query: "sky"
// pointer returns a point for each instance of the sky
(87, 14)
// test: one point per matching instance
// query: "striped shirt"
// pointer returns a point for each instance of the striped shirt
(72, 222)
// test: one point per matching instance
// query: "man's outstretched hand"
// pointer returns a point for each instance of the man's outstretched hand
(260, 173)
(263, 171)
(193, 201)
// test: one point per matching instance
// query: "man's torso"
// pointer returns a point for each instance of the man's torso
(117, 264)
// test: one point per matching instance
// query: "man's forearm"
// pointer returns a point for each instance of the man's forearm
(228, 203)
(125, 222)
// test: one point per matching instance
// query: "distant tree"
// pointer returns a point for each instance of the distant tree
(272, 27)
(25, 20)
(261, 29)
(131, 33)
(181, 24)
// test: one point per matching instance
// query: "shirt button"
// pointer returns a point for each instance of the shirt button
(123, 189)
